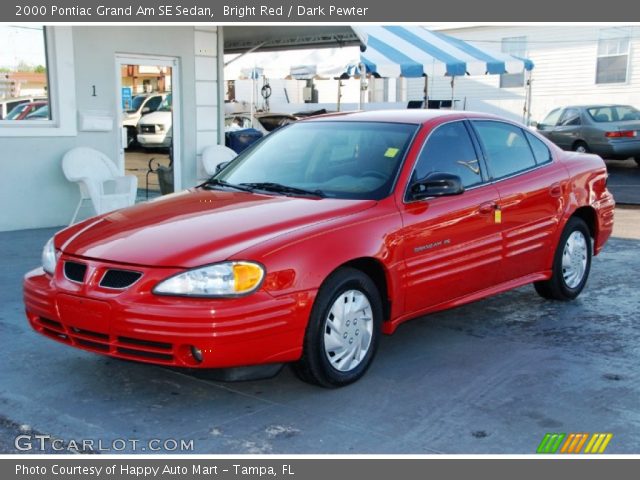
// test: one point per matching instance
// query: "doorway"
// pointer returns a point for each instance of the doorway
(149, 118)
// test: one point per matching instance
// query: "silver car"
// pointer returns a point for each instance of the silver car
(610, 131)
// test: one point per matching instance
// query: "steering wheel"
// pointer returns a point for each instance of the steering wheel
(374, 173)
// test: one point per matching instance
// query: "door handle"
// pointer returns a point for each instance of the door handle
(487, 208)
(555, 190)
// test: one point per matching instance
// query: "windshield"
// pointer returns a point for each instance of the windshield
(13, 114)
(136, 103)
(620, 113)
(166, 104)
(351, 160)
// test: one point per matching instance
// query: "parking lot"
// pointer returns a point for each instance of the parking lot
(490, 377)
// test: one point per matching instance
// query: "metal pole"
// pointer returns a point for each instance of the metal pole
(363, 85)
(453, 86)
(529, 82)
(339, 92)
(426, 92)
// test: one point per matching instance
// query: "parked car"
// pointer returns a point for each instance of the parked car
(610, 131)
(265, 122)
(27, 111)
(9, 104)
(39, 113)
(155, 129)
(140, 105)
(323, 236)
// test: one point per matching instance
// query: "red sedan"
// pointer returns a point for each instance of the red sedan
(324, 235)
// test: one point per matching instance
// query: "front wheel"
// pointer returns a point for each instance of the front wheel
(571, 263)
(343, 331)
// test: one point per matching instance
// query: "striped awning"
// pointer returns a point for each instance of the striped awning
(413, 51)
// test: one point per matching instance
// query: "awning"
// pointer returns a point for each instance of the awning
(244, 38)
(413, 51)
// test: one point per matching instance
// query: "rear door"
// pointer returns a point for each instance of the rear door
(452, 244)
(532, 189)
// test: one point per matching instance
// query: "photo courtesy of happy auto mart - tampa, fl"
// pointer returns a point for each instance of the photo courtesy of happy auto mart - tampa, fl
(231, 231)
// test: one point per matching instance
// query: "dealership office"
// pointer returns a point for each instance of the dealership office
(84, 85)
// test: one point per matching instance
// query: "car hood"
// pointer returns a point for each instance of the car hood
(156, 118)
(197, 227)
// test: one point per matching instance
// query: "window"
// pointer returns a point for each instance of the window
(617, 113)
(449, 150)
(506, 148)
(516, 46)
(613, 55)
(153, 103)
(570, 117)
(541, 152)
(24, 83)
(551, 120)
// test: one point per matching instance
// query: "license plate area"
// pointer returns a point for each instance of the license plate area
(84, 313)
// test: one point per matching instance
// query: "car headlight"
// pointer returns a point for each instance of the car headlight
(49, 257)
(160, 128)
(226, 279)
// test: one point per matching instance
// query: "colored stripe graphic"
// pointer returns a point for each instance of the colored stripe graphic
(572, 443)
(551, 442)
(598, 443)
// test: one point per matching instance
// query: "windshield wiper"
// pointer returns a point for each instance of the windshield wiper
(214, 182)
(284, 189)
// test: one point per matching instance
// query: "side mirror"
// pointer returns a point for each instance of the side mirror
(221, 165)
(438, 184)
(535, 124)
(146, 110)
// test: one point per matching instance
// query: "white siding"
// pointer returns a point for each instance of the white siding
(565, 59)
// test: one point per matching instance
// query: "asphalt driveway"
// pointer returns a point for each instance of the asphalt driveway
(624, 181)
(490, 377)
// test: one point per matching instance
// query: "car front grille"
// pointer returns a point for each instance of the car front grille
(75, 271)
(119, 279)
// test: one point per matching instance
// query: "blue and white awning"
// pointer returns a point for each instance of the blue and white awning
(413, 51)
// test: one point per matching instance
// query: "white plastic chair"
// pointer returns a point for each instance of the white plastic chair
(214, 155)
(99, 180)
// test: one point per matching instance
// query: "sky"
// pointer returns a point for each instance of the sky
(21, 43)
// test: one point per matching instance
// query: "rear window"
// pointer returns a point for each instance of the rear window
(620, 113)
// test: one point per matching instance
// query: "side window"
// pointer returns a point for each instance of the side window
(540, 150)
(450, 150)
(571, 116)
(153, 103)
(506, 147)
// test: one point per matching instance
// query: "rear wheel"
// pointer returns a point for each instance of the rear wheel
(581, 147)
(343, 331)
(571, 263)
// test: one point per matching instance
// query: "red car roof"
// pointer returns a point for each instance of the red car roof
(417, 116)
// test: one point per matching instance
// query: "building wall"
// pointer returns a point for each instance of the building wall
(565, 59)
(34, 192)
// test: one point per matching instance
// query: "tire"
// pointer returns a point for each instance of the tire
(131, 137)
(336, 350)
(569, 271)
(581, 147)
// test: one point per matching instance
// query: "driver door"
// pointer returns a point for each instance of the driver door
(452, 244)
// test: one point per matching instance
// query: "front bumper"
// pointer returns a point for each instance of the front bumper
(155, 140)
(135, 324)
